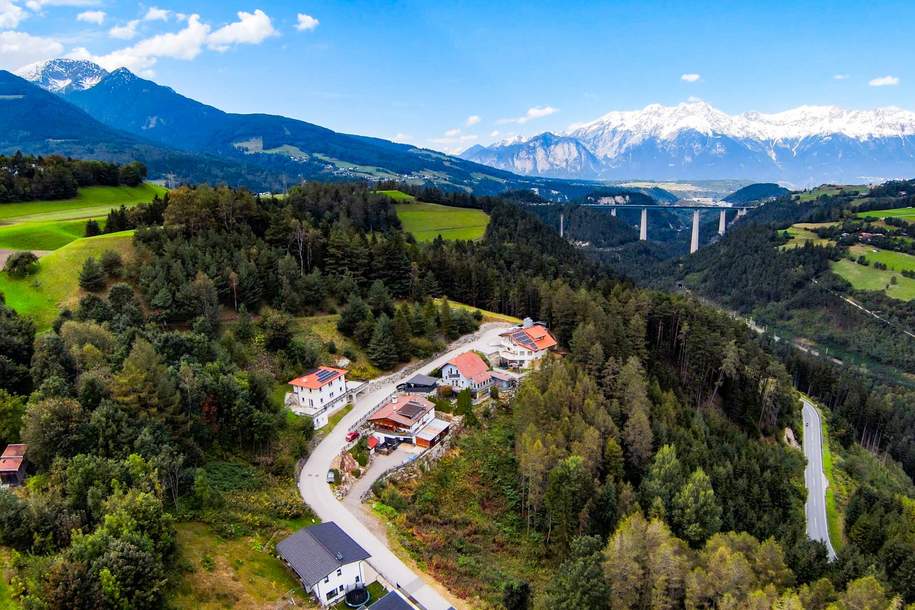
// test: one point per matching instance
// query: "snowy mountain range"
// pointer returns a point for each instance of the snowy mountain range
(693, 140)
(63, 75)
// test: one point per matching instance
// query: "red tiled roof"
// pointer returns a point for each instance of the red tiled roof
(318, 378)
(12, 458)
(537, 334)
(469, 364)
(403, 410)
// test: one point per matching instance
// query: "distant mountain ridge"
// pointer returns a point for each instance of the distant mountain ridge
(264, 151)
(693, 140)
(760, 191)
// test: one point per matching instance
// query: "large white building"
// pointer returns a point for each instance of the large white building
(319, 393)
(522, 347)
(327, 561)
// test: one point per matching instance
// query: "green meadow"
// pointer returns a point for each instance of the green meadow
(46, 235)
(868, 278)
(90, 201)
(56, 284)
(905, 213)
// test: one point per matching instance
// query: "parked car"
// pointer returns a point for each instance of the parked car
(351, 436)
(331, 477)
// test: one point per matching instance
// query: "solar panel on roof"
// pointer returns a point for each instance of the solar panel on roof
(410, 410)
(325, 374)
(522, 337)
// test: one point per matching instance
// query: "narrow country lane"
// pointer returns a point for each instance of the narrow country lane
(319, 496)
(815, 479)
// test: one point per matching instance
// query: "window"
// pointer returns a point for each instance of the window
(339, 571)
(357, 579)
(331, 594)
(327, 578)
(341, 588)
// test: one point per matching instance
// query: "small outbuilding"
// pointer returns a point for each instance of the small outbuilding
(418, 384)
(13, 465)
(393, 601)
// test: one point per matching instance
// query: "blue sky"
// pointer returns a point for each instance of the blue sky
(448, 75)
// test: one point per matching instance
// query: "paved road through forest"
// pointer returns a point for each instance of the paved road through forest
(815, 479)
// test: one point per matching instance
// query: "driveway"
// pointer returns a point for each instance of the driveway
(815, 479)
(317, 493)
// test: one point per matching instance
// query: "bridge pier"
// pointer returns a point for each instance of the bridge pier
(741, 212)
(722, 222)
(613, 212)
(643, 228)
(694, 243)
(561, 224)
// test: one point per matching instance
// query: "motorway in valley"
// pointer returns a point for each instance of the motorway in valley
(320, 497)
(815, 479)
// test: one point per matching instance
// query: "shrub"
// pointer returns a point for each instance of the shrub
(92, 228)
(21, 264)
(331, 347)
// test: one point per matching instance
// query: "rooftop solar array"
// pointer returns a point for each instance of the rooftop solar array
(410, 410)
(522, 337)
(325, 374)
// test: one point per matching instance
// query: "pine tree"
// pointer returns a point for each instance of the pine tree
(696, 513)
(664, 479)
(444, 319)
(92, 276)
(402, 332)
(382, 350)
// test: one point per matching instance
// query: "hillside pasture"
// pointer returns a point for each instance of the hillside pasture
(830, 190)
(894, 261)
(89, 202)
(867, 278)
(907, 214)
(47, 235)
(802, 232)
(396, 195)
(56, 284)
(426, 221)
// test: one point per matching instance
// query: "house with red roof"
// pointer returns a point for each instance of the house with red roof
(524, 346)
(467, 371)
(319, 393)
(13, 465)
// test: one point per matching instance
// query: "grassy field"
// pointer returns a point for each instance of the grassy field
(231, 573)
(895, 261)
(905, 213)
(426, 221)
(802, 233)
(868, 278)
(56, 283)
(488, 316)
(830, 189)
(91, 201)
(46, 235)
(324, 329)
(397, 195)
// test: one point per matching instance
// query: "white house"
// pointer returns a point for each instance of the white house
(467, 370)
(326, 560)
(319, 393)
(523, 346)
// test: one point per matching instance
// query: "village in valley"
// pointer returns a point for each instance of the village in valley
(409, 426)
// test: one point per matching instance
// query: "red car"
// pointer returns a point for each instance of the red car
(351, 436)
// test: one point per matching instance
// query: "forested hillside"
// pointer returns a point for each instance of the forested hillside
(27, 178)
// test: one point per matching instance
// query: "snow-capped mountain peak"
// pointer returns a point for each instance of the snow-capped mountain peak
(63, 75)
(694, 140)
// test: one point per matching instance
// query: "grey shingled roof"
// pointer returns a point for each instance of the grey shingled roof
(392, 601)
(316, 551)
(422, 380)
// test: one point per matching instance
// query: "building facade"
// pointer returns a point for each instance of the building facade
(525, 346)
(467, 371)
(319, 393)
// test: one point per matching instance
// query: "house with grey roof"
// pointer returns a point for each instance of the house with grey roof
(393, 601)
(326, 560)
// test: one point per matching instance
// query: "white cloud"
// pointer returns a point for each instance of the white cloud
(251, 28)
(18, 49)
(96, 17)
(128, 31)
(840, 77)
(402, 137)
(452, 133)
(156, 14)
(10, 14)
(884, 81)
(306, 22)
(472, 120)
(690, 77)
(535, 112)
(494, 133)
(37, 5)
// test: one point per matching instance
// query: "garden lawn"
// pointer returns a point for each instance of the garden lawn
(868, 278)
(56, 284)
(46, 235)
(426, 221)
(90, 201)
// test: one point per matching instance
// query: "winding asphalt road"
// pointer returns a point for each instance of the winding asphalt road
(319, 496)
(815, 479)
